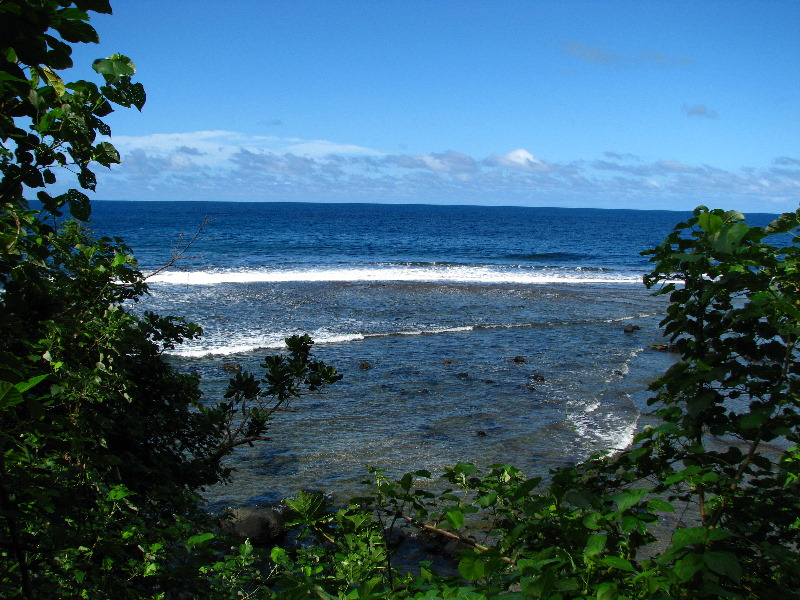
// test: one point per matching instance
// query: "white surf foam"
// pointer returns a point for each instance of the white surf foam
(604, 431)
(209, 346)
(622, 437)
(222, 345)
(432, 274)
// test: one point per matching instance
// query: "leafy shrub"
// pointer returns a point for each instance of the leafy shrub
(103, 445)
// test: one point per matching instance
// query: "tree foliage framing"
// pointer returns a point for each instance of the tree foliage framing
(103, 444)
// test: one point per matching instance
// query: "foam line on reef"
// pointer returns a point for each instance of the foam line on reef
(273, 342)
(435, 274)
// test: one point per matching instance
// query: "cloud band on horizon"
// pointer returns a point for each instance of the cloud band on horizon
(229, 165)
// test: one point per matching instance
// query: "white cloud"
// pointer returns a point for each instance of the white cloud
(674, 166)
(664, 60)
(787, 161)
(318, 148)
(249, 162)
(593, 54)
(218, 146)
(699, 110)
(598, 54)
(446, 162)
(218, 165)
(519, 160)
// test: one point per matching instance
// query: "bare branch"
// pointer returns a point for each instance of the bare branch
(179, 253)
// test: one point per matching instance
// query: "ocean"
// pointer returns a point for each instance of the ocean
(464, 333)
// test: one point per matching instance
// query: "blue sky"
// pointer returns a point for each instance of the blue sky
(646, 104)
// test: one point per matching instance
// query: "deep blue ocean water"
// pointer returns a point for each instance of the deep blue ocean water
(440, 301)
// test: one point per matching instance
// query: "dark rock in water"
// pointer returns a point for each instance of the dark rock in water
(631, 328)
(394, 536)
(663, 347)
(231, 367)
(518, 359)
(537, 378)
(444, 546)
(261, 526)
(365, 366)
(463, 375)
(454, 548)
(447, 361)
(480, 433)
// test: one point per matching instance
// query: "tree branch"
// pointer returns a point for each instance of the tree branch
(440, 532)
(178, 254)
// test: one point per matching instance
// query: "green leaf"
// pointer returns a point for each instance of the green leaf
(8, 77)
(596, 544)
(629, 523)
(9, 395)
(137, 95)
(54, 80)
(406, 481)
(733, 215)
(539, 587)
(87, 179)
(785, 222)
(487, 500)
(26, 385)
(471, 568)
(198, 540)
(730, 239)
(593, 520)
(129, 531)
(455, 518)
(607, 591)
(629, 498)
(73, 14)
(658, 504)
(278, 555)
(79, 205)
(751, 420)
(724, 563)
(99, 6)
(106, 154)
(709, 222)
(114, 66)
(77, 31)
(686, 567)
(309, 506)
(617, 562)
(687, 536)
(118, 492)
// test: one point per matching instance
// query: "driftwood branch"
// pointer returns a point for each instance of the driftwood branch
(441, 532)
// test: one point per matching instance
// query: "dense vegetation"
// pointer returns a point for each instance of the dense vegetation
(104, 447)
